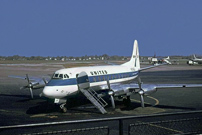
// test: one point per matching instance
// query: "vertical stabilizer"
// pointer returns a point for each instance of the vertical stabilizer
(134, 61)
(194, 56)
(167, 58)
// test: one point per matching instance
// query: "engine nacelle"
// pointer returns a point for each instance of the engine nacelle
(149, 89)
(119, 91)
(38, 85)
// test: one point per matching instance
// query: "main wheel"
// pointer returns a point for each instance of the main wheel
(64, 109)
(127, 101)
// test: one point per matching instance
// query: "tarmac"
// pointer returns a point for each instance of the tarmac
(16, 107)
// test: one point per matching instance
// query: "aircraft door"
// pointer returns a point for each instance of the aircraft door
(83, 81)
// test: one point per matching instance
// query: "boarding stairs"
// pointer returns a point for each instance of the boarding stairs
(95, 99)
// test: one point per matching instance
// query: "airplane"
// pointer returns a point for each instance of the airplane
(93, 79)
(163, 59)
(157, 60)
(196, 59)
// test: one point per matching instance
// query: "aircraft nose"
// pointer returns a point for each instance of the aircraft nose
(47, 92)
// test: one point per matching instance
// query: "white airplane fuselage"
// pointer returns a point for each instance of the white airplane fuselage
(197, 60)
(65, 82)
(58, 88)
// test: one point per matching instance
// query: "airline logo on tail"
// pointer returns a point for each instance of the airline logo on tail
(134, 61)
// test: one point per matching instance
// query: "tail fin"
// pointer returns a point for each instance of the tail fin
(194, 56)
(167, 58)
(134, 61)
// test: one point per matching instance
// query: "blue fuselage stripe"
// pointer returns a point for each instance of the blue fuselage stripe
(82, 79)
(98, 78)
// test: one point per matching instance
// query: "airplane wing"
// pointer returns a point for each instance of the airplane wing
(117, 90)
(36, 79)
(164, 86)
(128, 89)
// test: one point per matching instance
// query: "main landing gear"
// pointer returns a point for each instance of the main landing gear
(127, 101)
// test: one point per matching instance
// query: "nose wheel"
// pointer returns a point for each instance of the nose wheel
(63, 108)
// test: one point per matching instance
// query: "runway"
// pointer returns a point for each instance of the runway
(17, 108)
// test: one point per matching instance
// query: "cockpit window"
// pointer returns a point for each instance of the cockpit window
(55, 75)
(60, 76)
(66, 76)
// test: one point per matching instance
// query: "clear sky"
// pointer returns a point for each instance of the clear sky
(92, 27)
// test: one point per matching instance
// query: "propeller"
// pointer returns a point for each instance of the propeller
(30, 86)
(111, 93)
(141, 92)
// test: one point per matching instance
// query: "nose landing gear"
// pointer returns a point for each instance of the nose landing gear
(62, 103)
(63, 108)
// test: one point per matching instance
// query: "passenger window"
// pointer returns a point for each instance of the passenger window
(94, 79)
(107, 77)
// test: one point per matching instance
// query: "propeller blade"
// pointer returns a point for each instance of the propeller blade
(31, 93)
(108, 84)
(139, 82)
(142, 100)
(27, 77)
(111, 94)
(141, 92)
(45, 81)
(112, 101)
